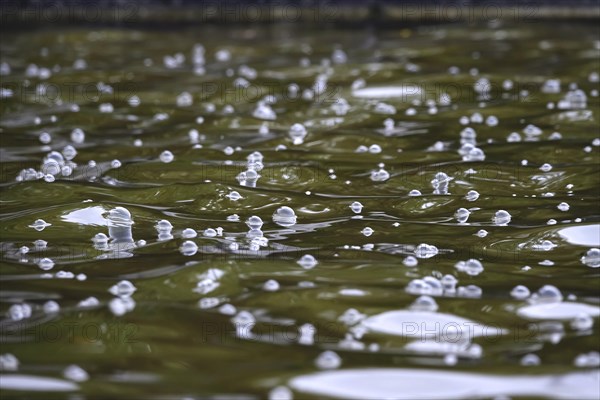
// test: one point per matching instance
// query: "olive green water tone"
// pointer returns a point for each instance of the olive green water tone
(276, 212)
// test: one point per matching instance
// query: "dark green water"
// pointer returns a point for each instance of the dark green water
(175, 340)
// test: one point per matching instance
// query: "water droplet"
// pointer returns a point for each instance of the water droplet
(189, 233)
(462, 215)
(51, 307)
(284, 216)
(76, 373)
(582, 322)
(502, 218)
(271, 286)
(328, 360)
(307, 261)
(184, 99)
(424, 303)
(414, 193)
(410, 262)
(547, 294)
(119, 225)
(46, 264)
(281, 393)
(469, 291)
(234, 196)
(529, 360)
(563, 206)
(588, 360)
(77, 136)
(546, 167)
(380, 175)
(592, 258)
(8, 362)
(356, 207)
(166, 156)
(367, 231)
(188, 248)
(18, 312)
(123, 288)
(520, 292)
(39, 225)
(472, 195)
(471, 267)
(425, 251)
(297, 133)
(210, 232)
(254, 222)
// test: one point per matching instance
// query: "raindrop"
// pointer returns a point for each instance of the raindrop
(328, 360)
(367, 231)
(472, 195)
(188, 248)
(520, 292)
(123, 288)
(166, 156)
(356, 207)
(592, 258)
(189, 233)
(271, 286)
(410, 262)
(307, 261)
(462, 215)
(425, 251)
(284, 216)
(46, 264)
(471, 267)
(501, 218)
(563, 206)
(297, 133)
(254, 222)
(582, 322)
(529, 360)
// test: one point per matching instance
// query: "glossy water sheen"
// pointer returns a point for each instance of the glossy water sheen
(317, 305)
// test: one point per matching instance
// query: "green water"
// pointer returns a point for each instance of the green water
(169, 347)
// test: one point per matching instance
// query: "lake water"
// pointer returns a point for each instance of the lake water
(427, 203)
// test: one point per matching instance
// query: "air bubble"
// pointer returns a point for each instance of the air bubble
(271, 286)
(502, 218)
(592, 258)
(547, 294)
(367, 231)
(410, 262)
(356, 207)
(123, 288)
(189, 233)
(426, 251)
(76, 373)
(582, 322)
(297, 133)
(254, 222)
(529, 360)
(424, 303)
(166, 156)
(462, 215)
(520, 292)
(280, 393)
(46, 264)
(188, 248)
(471, 267)
(328, 360)
(472, 195)
(284, 216)
(307, 261)
(210, 232)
